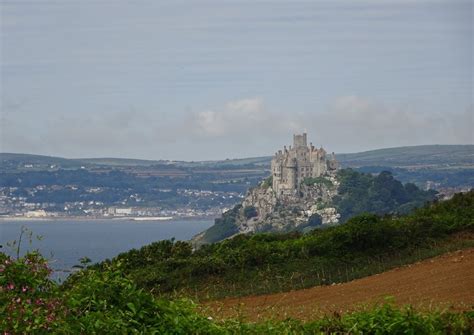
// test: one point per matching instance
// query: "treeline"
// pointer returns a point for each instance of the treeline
(381, 194)
(263, 263)
(446, 176)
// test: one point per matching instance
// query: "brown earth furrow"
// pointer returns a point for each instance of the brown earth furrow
(443, 282)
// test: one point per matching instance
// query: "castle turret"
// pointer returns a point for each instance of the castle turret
(292, 165)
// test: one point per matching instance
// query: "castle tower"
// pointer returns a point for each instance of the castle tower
(292, 166)
(300, 140)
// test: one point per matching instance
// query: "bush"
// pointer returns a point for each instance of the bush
(317, 181)
(29, 301)
(97, 301)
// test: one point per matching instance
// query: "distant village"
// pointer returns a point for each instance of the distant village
(12, 206)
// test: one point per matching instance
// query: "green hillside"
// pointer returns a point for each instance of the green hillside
(14, 161)
(438, 155)
(365, 245)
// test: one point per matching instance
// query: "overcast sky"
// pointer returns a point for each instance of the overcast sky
(195, 80)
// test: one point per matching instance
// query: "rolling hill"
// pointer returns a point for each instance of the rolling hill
(424, 155)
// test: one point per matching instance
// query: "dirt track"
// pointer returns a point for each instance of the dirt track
(446, 281)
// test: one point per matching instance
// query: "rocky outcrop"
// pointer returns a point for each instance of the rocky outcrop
(262, 211)
(291, 212)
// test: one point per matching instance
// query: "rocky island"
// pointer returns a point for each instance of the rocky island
(307, 189)
(297, 196)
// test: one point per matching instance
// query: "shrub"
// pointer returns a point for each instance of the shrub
(29, 301)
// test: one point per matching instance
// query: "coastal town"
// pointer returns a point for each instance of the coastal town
(13, 205)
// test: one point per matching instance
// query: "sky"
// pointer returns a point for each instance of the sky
(199, 80)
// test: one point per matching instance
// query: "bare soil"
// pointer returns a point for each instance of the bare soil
(445, 281)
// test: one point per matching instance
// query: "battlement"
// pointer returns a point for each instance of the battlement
(291, 166)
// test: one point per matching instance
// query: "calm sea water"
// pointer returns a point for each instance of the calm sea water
(65, 241)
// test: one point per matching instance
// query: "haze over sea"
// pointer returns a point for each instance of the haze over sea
(65, 241)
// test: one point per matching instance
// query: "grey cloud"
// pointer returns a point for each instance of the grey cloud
(356, 123)
(243, 118)
(238, 128)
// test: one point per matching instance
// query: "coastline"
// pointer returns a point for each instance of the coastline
(104, 218)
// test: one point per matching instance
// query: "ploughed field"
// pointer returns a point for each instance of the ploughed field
(445, 281)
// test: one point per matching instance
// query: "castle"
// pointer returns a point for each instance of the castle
(291, 166)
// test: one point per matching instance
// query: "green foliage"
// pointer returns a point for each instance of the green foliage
(382, 194)
(223, 227)
(29, 301)
(268, 182)
(317, 181)
(96, 302)
(365, 245)
(383, 319)
(105, 301)
(113, 297)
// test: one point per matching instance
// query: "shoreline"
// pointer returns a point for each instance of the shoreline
(137, 219)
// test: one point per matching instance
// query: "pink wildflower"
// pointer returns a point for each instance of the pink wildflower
(11, 286)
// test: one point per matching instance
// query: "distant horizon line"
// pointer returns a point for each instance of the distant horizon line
(219, 160)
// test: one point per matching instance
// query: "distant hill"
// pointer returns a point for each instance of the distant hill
(119, 161)
(414, 156)
(423, 155)
(14, 159)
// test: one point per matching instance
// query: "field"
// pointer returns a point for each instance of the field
(444, 282)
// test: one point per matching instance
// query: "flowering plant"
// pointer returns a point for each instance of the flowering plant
(29, 299)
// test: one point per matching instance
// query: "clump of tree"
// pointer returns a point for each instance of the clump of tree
(310, 181)
(381, 194)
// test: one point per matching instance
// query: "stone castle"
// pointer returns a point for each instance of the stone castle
(290, 167)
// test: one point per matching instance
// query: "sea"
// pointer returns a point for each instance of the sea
(64, 241)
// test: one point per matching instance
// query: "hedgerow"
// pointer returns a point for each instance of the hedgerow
(107, 302)
(365, 245)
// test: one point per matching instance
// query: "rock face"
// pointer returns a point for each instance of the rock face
(262, 211)
(297, 196)
(292, 212)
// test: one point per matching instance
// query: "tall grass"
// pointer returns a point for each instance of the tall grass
(314, 272)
